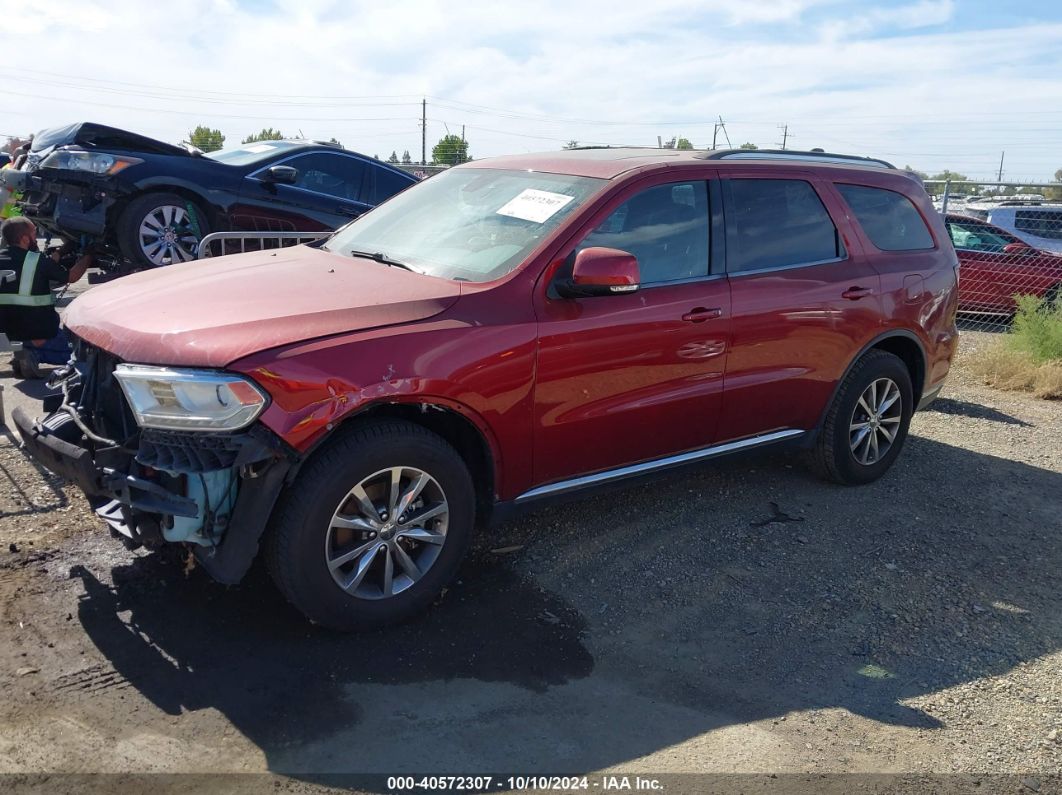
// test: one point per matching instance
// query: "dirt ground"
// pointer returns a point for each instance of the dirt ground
(742, 617)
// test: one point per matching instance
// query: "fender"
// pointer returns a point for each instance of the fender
(424, 403)
(890, 334)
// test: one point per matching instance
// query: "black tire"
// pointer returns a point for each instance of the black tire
(143, 207)
(1053, 298)
(833, 457)
(299, 533)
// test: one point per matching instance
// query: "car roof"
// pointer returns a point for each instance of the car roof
(610, 162)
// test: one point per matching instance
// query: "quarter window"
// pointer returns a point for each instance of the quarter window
(665, 227)
(890, 220)
(774, 223)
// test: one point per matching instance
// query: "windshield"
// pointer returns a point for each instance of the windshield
(470, 224)
(249, 153)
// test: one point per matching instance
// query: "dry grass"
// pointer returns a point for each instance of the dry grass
(1006, 367)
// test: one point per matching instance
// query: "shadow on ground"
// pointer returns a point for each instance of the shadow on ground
(692, 615)
(975, 411)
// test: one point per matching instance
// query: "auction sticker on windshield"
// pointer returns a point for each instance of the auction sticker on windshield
(535, 205)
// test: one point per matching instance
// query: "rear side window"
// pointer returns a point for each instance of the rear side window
(387, 184)
(890, 220)
(773, 223)
(1042, 223)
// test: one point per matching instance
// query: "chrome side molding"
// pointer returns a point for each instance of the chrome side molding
(565, 486)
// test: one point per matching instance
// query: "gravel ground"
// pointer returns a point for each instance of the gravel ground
(740, 618)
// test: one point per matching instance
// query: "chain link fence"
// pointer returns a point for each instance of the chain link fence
(1009, 240)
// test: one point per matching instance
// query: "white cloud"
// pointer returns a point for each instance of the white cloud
(887, 81)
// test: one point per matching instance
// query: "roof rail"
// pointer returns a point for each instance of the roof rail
(793, 154)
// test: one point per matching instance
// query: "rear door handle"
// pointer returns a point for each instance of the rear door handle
(700, 314)
(855, 293)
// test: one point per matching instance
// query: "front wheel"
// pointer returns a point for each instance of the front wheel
(374, 527)
(867, 423)
(161, 229)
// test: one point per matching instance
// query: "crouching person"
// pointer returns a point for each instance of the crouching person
(27, 306)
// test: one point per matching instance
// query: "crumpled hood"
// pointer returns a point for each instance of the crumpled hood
(211, 312)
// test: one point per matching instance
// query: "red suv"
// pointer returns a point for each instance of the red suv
(512, 330)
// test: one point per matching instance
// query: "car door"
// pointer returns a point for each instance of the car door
(803, 296)
(330, 190)
(626, 378)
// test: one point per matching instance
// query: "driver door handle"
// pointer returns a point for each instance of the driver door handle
(855, 293)
(700, 314)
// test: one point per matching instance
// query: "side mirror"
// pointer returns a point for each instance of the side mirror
(1017, 248)
(600, 271)
(285, 175)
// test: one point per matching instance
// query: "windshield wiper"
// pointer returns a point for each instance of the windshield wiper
(378, 256)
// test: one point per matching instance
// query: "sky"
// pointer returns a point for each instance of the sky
(933, 84)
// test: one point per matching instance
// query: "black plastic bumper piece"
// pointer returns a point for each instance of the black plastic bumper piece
(68, 460)
(230, 561)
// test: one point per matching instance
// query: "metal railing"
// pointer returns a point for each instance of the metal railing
(218, 244)
(1008, 237)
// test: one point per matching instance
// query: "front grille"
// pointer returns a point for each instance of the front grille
(102, 401)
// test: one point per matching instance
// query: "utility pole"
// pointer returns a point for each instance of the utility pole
(785, 135)
(715, 132)
(1000, 177)
(723, 125)
(424, 132)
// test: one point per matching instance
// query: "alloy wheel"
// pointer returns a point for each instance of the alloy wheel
(167, 235)
(875, 421)
(386, 533)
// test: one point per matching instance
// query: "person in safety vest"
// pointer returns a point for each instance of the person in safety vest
(27, 306)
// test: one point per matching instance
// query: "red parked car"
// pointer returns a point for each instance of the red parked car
(996, 266)
(512, 330)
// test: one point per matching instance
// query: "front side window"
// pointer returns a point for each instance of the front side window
(972, 236)
(665, 227)
(333, 175)
(775, 223)
(470, 224)
(1042, 223)
(889, 218)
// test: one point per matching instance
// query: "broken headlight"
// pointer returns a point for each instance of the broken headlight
(189, 400)
(94, 162)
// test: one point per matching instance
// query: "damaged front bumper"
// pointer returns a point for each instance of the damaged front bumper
(211, 491)
(66, 203)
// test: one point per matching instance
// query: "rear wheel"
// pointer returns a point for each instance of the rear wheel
(1053, 298)
(161, 229)
(374, 527)
(867, 423)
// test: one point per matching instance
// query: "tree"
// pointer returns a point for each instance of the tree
(393, 158)
(337, 143)
(948, 174)
(1058, 175)
(406, 159)
(451, 150)
(572, 145)
(749, 145)
(267, 134)
(206, 139)
(920, 174)
(683, 143)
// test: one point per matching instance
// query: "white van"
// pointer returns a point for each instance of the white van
(1037, 223)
